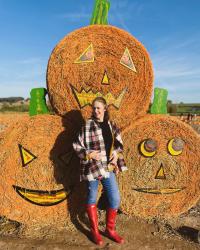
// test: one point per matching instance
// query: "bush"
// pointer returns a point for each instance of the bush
(20, 108)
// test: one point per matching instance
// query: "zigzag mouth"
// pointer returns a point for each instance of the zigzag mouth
(85, 98)
(158, 191)
(42, 198)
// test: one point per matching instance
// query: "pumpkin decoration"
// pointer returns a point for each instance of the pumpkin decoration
(100, 60)
(164, 163)
(39, 172)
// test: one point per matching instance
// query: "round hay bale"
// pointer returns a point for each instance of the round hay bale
(163, 178)
(8, 119)
(100, 60)
(40, 178)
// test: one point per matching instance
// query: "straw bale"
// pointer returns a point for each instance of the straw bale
(109, 44)
(7, 119)
(180, 171)
(49, 138)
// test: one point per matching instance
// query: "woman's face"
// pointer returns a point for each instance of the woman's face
(98, 110)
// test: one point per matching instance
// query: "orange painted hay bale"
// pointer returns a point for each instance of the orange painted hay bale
(163, 177)
(36, 162)
(66, 78)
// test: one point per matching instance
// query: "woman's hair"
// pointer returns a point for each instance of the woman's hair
(103, 101)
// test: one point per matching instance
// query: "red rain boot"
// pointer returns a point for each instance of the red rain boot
(92, 215)
(110, 226)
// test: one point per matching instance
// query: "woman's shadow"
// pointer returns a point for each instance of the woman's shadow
(67, 169)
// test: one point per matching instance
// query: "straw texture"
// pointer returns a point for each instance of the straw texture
(162, 174)
(55, 167)
(109, 44)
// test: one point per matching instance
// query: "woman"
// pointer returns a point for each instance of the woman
(99, 147)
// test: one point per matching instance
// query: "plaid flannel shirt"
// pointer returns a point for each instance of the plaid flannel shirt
(89, 139)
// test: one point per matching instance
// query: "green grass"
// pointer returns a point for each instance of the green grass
(20, 108)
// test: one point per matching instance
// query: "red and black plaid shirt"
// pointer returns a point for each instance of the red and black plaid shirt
(89, 139)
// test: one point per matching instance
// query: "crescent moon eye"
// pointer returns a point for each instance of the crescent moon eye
(148, 147)
(175, 146)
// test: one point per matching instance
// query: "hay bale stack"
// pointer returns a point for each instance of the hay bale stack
(7, 119)
(67, 77)
(36, 161)
(163, 157)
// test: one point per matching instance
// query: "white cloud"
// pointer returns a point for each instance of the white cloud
(121, 13)
(31, 61)
(176, 68)
(76, 16)
(18, 77)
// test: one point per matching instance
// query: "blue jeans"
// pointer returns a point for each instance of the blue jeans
(110, 187)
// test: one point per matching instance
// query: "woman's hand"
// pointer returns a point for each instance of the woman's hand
(114, 159)
(95, 155)
(114, 162)
(116, 170)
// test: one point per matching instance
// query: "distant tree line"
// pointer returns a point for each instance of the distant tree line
(11, 99)
(17, 104)
(183, 108)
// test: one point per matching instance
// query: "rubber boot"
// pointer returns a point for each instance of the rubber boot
(110, 226)
(92, 215)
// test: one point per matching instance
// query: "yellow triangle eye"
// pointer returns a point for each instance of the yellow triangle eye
(26, 156)
(87, 56)
(175, 146)
(148, 147)
(127, 61)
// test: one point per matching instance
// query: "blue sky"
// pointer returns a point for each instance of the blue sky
(169, 29)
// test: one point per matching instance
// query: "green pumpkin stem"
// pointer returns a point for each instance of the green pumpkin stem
(159, 105)
(38, 102)
(100, 12)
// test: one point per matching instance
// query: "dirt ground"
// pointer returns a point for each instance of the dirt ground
(178, 233)
(138, 234)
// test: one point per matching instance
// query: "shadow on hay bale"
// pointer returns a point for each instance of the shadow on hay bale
(36, 162)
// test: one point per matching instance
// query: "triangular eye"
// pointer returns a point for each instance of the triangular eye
(26, 156)
(87, 56)
(127, 61)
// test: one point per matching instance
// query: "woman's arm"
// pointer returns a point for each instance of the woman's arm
(117, 152)
(81, 150)
(79, 145)
(117, 143)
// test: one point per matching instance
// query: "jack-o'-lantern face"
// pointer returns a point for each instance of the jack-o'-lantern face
(39, 197)
(163, 159)
(105, 61)
(36, 170)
